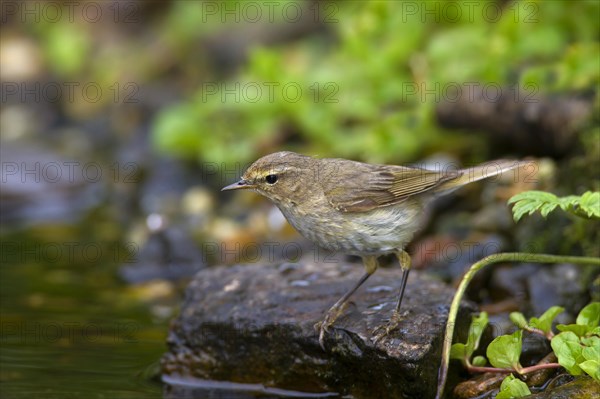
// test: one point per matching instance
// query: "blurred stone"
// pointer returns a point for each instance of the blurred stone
(510, 280)
(518, 121)
(153, 290)
(493, 217)
(40, 186)
(197, 201)
(450, 256)
(168, 254)
(253, 324)
(560, 285)
(20, 59)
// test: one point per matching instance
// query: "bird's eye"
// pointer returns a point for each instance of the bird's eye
(271, 179)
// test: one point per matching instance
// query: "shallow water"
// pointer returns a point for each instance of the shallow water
(69, 328)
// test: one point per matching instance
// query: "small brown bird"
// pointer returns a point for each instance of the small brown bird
(356, 208)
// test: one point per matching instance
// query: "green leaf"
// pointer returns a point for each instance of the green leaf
(457, 351)
(591, 352)
(519, 319)
(569, 202)
(592, 368)
(592, 341)
(591, 349)
(513, 388)
(589, 315)
(528, 202)
(475, 331)
(544, 323)
(568, 350)
(504, 351)
(547, 208)
(463, 352)
(479, 361)
(587, 321)
(590, 204)
(577, 329)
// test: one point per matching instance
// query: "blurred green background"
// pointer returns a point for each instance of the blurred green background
(170, 100)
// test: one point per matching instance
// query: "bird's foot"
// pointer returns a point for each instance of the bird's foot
(322, 327)
(392, 325)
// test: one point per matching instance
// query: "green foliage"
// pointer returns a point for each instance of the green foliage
(512, 387)
(518, 319)
(590, 315)
(479, 361)
(568, 349)
(376, 108)
(591, 352)
(463, 352)
(578, 345)
(543, 323)
(587, 321)
(504, 351)
(529, 202)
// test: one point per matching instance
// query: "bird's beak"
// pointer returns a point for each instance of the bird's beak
(242, 184)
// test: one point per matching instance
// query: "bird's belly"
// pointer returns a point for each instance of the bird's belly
(375, 232)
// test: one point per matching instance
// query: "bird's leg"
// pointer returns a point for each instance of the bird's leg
(370, 263)
(392, 324)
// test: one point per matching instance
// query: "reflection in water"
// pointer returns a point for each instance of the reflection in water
(69, 327)
(189, 388)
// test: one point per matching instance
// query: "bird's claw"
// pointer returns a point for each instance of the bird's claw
(323, 326)
(392, 325)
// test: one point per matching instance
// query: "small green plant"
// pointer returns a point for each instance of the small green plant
(529, 202)
(577, 347)
(513, 387)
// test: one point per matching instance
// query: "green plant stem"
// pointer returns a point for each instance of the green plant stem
(524, 370)
(537, 331)
(488, 260)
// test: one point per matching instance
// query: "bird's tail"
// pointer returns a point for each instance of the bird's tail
(501, 167)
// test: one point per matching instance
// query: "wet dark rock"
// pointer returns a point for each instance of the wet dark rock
(534, 349)
(486, 384)
(478, 385)
(580, 388)
(541, 377)
(253, 324)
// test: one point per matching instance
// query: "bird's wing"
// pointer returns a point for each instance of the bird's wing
(365, 187)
